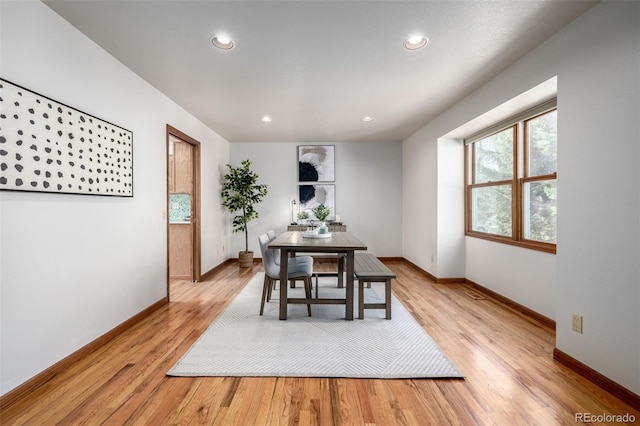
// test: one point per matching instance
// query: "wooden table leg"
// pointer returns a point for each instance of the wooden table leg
(360, 299)
(349, 298)
(284, 265)
(387, 298)
(340, 270)
(292, 283)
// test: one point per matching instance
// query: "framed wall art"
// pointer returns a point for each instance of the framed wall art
(311, 196)
(316, 163)
(47, 146)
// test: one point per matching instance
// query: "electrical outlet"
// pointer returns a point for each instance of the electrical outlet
(576, 323)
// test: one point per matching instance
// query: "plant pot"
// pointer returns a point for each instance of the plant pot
(245, 259)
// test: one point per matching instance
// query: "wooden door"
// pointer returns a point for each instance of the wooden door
(183, 196)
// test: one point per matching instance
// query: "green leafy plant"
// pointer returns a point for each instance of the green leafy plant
(321, 212)
(303, 215)
(240, 193)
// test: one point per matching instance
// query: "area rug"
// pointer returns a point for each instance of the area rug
(240, 342)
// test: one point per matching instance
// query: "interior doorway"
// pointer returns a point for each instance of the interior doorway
(183, 207)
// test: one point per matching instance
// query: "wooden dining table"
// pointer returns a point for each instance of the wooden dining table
(292, 242)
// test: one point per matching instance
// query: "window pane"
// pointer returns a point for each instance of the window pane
(494, 157)
(491, 209)
(540, 210)
(542, 134)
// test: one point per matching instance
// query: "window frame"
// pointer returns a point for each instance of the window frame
(519, 179)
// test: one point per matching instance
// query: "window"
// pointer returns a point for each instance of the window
(511, 190)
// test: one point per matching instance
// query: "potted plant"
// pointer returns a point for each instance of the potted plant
(240, 193)
(303, 216)
(321, 212)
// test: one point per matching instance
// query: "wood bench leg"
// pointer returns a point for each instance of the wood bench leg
(387, 298)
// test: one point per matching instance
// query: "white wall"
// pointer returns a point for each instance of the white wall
(419, 201)
(368, 191)
(433, 205)
(599, 191)
(450, 220)
(73, 267)
(595, 272)
(520, 274)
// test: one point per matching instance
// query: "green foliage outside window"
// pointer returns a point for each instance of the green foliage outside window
(492, 204)
(494, 181)
(543, 144)
(541, 196)
(492, 210)
(494, 157)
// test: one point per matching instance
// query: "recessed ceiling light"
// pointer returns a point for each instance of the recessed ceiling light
(416, 42)
(266, 119)
(222, 42)
(367, 118)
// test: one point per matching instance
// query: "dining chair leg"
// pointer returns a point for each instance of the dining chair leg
(266, 292)
(270, 287)
(307, 291)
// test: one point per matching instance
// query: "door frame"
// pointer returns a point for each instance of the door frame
(195, 215)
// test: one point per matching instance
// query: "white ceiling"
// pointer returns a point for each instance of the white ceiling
(317, 67)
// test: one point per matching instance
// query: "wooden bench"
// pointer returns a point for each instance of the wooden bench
(368, 269)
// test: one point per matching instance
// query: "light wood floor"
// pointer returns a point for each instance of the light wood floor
(511, 377)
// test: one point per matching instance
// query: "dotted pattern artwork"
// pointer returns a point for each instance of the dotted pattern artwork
(46, 146)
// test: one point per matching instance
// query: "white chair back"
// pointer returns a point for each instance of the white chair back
(268, 257)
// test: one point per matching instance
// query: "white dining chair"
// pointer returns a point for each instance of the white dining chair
(295, 271)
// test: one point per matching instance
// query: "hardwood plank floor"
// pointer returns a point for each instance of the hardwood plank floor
(511, 377)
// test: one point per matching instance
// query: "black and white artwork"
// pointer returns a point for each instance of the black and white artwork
(47, 146)
(311, 196)
(316, 163)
